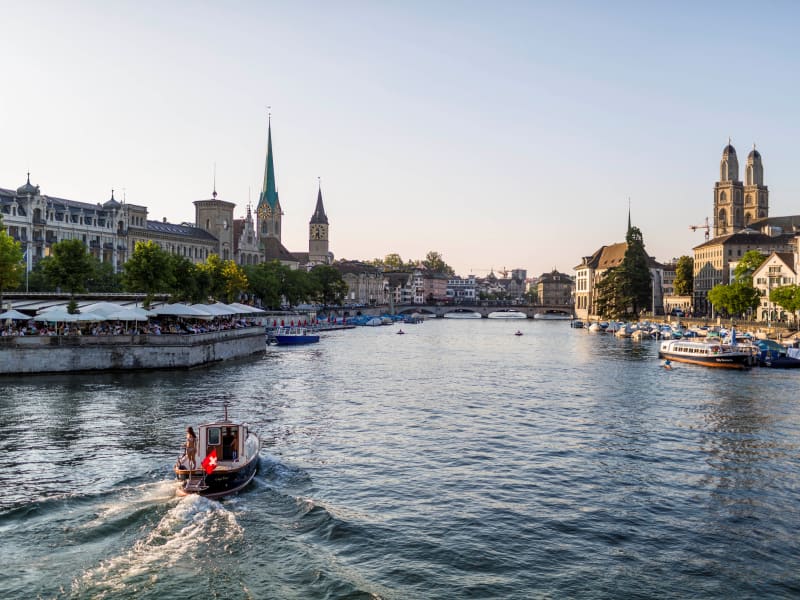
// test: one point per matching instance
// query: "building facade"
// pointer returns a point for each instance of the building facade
(778, 270)
(555, 288)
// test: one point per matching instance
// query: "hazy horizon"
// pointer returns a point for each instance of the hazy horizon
(503, 136)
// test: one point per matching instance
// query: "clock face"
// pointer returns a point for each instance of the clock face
(317, 231)
(265, 211)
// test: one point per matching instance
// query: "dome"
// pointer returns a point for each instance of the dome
(111, 203)
(28, 189)
(754, 155)
(728, 150)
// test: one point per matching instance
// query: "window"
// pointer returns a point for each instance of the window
(214, 436)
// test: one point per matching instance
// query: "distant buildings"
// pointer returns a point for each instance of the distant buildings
(111, 230)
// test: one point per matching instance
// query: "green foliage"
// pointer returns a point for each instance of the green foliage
(264, 282)
(434, 262)
(330, 288)
(184, 284)
(625, 290)
(393, 261)
(70, 266)
(747, 265)
(147, 270)
(11, 266)
(787, 297)
(736, 299)
(103, 278)
(684, 276)
(235, 280)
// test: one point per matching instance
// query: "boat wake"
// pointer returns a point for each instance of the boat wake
(187, 537)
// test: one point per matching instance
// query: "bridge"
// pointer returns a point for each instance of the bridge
(440, 311)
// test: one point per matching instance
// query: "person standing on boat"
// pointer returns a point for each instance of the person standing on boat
(191, 447)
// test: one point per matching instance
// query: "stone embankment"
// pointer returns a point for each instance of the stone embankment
(62, 354)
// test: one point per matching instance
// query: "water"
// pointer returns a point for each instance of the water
(456, 461)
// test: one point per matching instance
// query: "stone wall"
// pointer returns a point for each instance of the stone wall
(60, 354)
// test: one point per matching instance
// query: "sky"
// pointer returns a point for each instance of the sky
(502, 135)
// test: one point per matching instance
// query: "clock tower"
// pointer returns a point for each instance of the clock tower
(268, 211)
(318, 234)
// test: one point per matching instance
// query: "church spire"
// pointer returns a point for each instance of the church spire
(319, 215)
(629, 214)
(269, 194)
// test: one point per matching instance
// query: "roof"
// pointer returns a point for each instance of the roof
(607, 257)
(787, 258)
(274, 250)
(319, 215)
(173, 229)
(748, 237)
(353, 266)
(790, 223)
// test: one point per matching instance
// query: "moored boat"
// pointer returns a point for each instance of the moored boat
(507, 314)
(707, 354)
(294, 336)
(462, 313)
(552, 315)
(226, 459)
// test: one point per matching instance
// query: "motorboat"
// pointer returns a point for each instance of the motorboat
(462, 313)
(518, 332)
(707, 354)
(774, 355)
(507, 314)
(226, 459)
(294, 336)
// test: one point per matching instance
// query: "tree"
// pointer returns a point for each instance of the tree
(103, 278)
(788, 298)
(213, 269)
(393, 261)
(330, 288)
(264, 281)
(684, 276)
(636, 283)
(296, 286)
(434, 262)
(610, 302)
(11, 265)
(747, 265)
(147, 270)
(186, 283)
(70, 266)
(235, 280)
(736, 299)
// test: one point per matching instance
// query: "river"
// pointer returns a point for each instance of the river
(456, 461)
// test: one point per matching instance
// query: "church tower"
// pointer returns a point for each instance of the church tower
(318, 234)
(728, 195)
(756, 194)
(269, 207)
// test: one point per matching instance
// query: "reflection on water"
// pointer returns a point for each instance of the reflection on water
(457, 460)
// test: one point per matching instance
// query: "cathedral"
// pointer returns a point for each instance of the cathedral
(269, 215)
(738, 205)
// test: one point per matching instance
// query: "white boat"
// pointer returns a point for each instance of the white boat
(507, 314)
(462, 313)
(708, 354)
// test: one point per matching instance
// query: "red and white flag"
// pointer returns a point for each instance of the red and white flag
(210, 462)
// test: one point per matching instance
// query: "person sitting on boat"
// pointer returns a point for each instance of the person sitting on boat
(191, 447)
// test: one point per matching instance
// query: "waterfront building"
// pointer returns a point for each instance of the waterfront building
(39, 220)
(434, 286)
(516, 284)
(461, 289)
(365, 282)
(400, 286)
(778, 270)
(593, 268)
(555, 288)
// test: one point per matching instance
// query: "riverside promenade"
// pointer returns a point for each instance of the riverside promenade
(62, 354)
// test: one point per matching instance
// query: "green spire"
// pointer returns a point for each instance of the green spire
(269, 194)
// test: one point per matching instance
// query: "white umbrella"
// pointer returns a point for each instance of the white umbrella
(14, 315)
(179, 310)
(213, 310)
(244, 309)
(56, 315)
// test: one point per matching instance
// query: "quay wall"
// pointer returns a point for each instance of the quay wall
(60, 354)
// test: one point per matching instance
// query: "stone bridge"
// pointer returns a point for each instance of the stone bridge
(441, 311)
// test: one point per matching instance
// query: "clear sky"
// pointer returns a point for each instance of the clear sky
(500, 134)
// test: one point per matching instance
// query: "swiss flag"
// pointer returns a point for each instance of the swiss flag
(210, 462)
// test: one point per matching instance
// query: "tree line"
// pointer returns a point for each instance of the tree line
(152, 271)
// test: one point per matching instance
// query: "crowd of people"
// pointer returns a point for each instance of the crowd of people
(100, 328)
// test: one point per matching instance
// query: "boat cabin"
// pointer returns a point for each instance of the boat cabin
(225, 437)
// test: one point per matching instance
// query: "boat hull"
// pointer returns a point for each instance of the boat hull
(296, 340)
(509, 314)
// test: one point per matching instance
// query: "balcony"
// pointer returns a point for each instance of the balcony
(94, 244)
